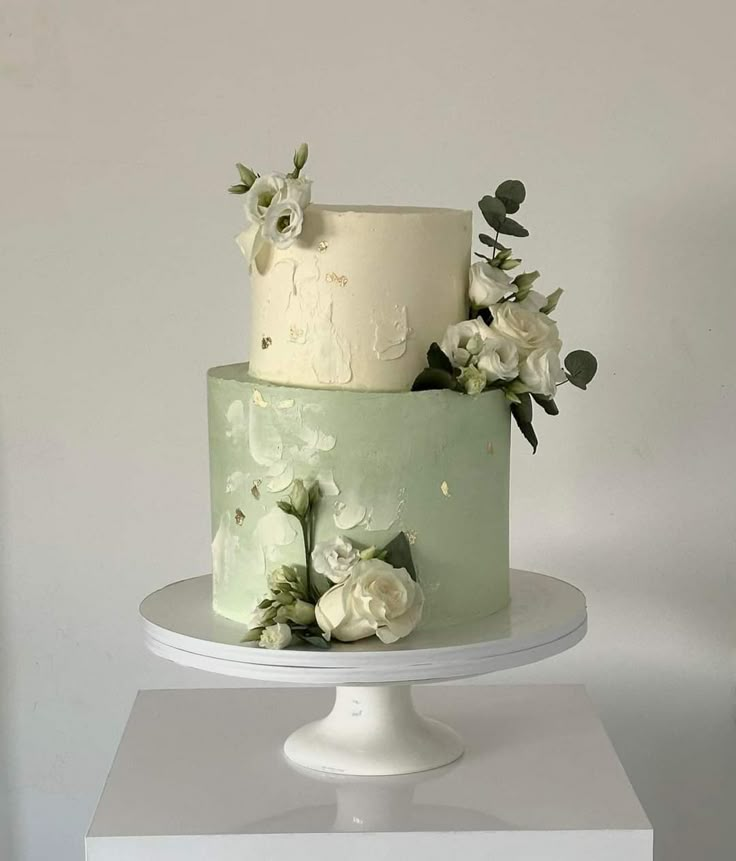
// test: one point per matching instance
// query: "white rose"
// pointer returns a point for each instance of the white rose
(541, 371)
(374, 599)
(261, 194)
(276, 636)
(529, 330)
(283, 222)
(457, 337)
(299, 190)
(488, 284)
(335, 559)
(498, 358)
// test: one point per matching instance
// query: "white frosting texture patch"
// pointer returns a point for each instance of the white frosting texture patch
(335, 309)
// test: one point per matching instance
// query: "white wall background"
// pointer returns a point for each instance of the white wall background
(121, 285)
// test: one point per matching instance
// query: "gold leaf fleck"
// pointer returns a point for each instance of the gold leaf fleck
(266, 342)
(411, 536)
(445, 489)
(256, 489)
(334, 278)
(258, 399)
(322, 246)
(489, 448)
(239, 516)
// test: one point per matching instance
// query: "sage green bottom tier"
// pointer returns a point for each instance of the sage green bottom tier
(434, 465)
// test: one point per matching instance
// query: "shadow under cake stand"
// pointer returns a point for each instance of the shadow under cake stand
(373, 728)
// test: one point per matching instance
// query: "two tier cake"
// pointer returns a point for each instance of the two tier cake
(325, 464)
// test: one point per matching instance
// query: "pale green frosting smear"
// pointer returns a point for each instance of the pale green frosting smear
(432, 464)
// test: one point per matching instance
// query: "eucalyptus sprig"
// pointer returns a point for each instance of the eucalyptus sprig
(580, 366)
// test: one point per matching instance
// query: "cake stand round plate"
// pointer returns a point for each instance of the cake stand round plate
(373, 728)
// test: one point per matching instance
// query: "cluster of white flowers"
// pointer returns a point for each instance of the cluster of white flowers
(274, 206)
(520, 342)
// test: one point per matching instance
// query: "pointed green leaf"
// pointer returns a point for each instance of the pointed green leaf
(434, 378)
(526, 279)
(552, 300)
(398, 554)
(547, 404)
(247, 176)
(436, 358)
(238, 189)
(252, 635)
(522, 413)
(512, 194)
(315, 640)
(581, 367)
(492, 210)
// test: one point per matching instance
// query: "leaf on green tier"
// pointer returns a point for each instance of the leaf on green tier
(492, 210)
(435, 378)
(509, 227)
(547, 404)
(522, 413)
(316, 640)
(252, 635)
(436, 358)
(491, 242)
(581, 367)
(512, 194)
(398, 554)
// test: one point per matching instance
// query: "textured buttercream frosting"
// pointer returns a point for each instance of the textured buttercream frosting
(433, 464)
(356, 301)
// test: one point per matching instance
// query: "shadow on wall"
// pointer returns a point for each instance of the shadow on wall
(7, 818)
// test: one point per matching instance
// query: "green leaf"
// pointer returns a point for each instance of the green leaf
(484, 257)
(522, 413)
(509, 227)
(547, 404)
(512, 194)
(492, 210)
(491, 242)
(398, 554)
(436, 358)
(525, 279)
(238, 189)
(286, 507)
(434, 378)
(552, 300)
(252, 635)
(581, 367)
(247, 176)
(316, 640)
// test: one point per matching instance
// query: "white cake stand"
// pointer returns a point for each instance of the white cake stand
(373, 728)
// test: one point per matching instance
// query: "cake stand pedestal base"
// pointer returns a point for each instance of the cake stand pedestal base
(373, 730)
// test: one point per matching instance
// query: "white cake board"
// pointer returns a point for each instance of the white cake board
(373, 728)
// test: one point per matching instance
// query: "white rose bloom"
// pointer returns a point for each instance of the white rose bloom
(529, 330)
(533, 301)
(488, 284)
(261, 194)
(498, 358)
(374, 599)
(276, 636)
(455, 342)
(299, 190)
(335, 559)
(541, 371)
(283, 222)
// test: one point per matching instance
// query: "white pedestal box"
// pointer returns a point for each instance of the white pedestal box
(200, 774)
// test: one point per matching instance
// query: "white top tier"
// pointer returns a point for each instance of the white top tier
(356, 301)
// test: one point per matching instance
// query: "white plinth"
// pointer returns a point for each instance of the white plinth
(200, 775)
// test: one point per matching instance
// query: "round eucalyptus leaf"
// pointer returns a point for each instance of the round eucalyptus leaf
(581, 367)
(509, 227)
(492, 210)
(511, 193)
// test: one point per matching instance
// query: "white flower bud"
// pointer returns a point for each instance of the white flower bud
(276, 636)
